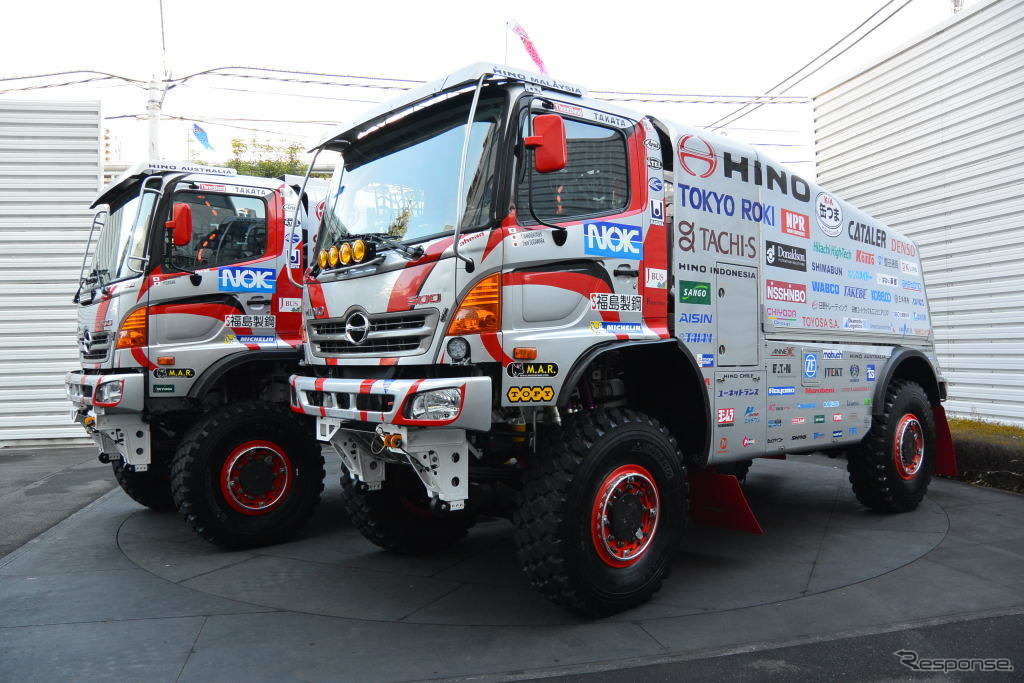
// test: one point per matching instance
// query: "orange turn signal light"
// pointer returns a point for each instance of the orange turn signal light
(165, 360)
(480, 310)
(133, 330)
(524, 353)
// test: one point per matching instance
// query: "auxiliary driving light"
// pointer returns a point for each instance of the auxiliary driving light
(346, 253)
(359, 250)
(458, 349)
(437, 404)
(321, 259)
(332, 256)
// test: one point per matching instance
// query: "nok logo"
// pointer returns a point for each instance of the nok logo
(247, 280)
(613, 239)
(697, 156)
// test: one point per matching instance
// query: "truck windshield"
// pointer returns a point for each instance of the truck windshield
(401, 180)
(122, 242)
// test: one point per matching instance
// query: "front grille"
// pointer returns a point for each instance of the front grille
(98, 347)
(387, 334)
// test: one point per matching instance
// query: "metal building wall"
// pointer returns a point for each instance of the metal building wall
(930, 140)
(50, 169)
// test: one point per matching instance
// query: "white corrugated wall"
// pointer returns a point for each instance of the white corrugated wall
(50, 170)
(931, 141)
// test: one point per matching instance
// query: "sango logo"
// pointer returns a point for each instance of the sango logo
(247, 280)
(613, 239)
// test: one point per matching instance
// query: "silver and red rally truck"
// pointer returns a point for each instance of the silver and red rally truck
(534, 303)
(188, 328)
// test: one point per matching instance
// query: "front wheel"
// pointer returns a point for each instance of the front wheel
(151, 488)
(602, 511)
(248, 475)
(890, 471)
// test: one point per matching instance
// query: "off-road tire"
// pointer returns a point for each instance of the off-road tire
(879, 481)
(738, 469)
(397, 517)
(151, 488)
(565, 531)
(221, 468)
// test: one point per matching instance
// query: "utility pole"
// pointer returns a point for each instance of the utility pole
(156, 96)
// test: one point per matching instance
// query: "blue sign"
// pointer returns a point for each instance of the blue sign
(613, 239)
(706, 360)
(811, 365)
(837, 434)
(655, 185)
(781, 391)
(238, 279)
(870, 373)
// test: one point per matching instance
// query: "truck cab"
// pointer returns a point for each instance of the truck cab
(186, 311)
(520, 289)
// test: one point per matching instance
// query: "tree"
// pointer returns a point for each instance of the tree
(263, 159)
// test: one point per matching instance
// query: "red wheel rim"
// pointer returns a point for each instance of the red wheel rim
(625, 516)
(256, 477)
(908, 447)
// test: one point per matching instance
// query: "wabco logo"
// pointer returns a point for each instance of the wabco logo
(247, 280)
(613, 239)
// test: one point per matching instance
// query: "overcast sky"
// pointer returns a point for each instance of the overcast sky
(725, 47)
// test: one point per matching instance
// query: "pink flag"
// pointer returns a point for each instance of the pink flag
(528, 44)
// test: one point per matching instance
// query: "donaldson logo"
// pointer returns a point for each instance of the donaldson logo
(613, 239)
(247, 280)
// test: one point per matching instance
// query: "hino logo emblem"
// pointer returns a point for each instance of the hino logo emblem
(356, 328)
(86, 341)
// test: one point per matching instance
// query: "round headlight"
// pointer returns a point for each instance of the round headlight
(346, 253)
(332, 256)
(359, 250)
(321, 258)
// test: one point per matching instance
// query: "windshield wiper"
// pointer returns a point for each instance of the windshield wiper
(382, 238)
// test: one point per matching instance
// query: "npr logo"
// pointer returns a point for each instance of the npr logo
(247, 280)
(614, 240)
(796, 224)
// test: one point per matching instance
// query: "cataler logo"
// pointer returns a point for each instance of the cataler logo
(613, 239)
(247, 280)
(700, 150)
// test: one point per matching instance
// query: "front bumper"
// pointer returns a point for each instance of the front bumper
(117, 428)
(384, 400)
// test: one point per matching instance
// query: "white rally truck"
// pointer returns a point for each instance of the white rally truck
(534, 303)
(188, 328)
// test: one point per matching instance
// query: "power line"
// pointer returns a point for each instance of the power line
(57, 85)
(292, 94)
(739, 113)
(762, 100)
(294, 72)
(68, 73)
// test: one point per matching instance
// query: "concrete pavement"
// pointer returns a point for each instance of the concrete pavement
(119, 592)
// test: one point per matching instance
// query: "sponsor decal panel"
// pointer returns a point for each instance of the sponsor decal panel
(615, 240)
(829, 214)
(250, 338)
(250, 320)
(517, 369)
(811, 365)
(706, 360)
(778, 290)
(795, 224)
(696, 318)
(163, 388)
(287, 305)
(720, 242)
(656, 278)
(616, 302)
(616, 327)
(785, 256)
(530, 394)
(691, 292)
(726, 416)
(781, 391)
(174, 373)
(238, 279)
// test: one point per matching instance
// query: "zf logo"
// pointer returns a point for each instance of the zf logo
(530, 394)
(247, 280)
(810, 365)
(613, 239)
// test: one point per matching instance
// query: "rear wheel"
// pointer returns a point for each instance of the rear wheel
(602, 511)
(891, 469)
(397, 517)
(251, 474)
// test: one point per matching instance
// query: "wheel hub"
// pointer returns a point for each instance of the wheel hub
(256, 477)
(625, 515)
(908, 447)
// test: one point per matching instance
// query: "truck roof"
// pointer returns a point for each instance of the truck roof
(197, 172)
(452, 81)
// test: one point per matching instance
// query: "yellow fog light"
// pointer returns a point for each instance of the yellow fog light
(321, 258)
(346, 253)
(359, 250)
(332, 256)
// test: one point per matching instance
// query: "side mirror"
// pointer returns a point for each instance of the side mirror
(548, 143)
(180, 224)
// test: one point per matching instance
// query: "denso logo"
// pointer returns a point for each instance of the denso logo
(901, 247)
(247, 280)
(613, 239)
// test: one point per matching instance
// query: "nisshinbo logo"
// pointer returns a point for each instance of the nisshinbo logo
(614, 240)
(247, 280)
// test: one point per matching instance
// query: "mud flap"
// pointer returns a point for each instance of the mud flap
(717, 500)
(945, 456)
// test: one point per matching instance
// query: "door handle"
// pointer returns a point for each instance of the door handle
(624, 270)
(257, 301)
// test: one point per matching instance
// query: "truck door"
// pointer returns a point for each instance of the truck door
(229, 304)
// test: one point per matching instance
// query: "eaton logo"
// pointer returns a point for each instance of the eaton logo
(810, 365)
(247, 280)
(781, 391)
(614, 240)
